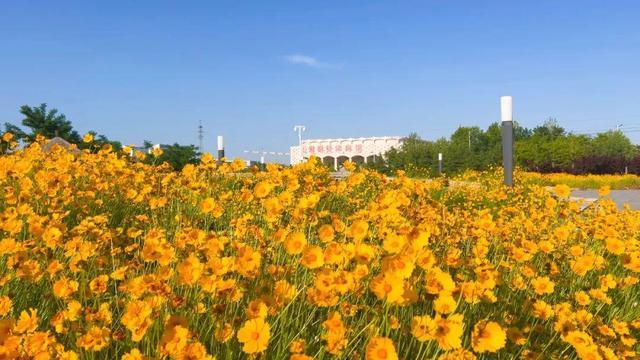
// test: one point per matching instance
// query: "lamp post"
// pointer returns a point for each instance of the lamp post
(439, 163)
(506, 114)
(299, 129)
(220, 147)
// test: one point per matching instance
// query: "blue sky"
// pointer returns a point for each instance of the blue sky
(137, 70)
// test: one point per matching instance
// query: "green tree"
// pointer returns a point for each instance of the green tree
(462, 149)
(549, 129)
(613, 144)
(48, 123)
(175, 155)
(415, 156)
(99, 141)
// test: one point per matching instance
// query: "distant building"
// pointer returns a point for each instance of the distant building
(334, 152)
(147, 150)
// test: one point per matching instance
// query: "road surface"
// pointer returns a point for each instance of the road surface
(620, 197)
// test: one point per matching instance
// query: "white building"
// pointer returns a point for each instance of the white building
(334, 152)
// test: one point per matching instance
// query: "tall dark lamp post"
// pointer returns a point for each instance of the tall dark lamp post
(506, 114)
(220, 147)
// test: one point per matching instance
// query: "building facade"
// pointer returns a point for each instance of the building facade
(334, 152)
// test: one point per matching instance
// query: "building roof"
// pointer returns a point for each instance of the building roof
(354, 139)
(49, 145)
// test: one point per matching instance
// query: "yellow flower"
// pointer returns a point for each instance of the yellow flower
(297, 346)
(262, 189)
(99, 284)
(631, 261)
(581, 342)
(5, 305)
(63, 288)
(449, 331)
(88, 137)
(516, 336)
(312, 257)
(615, 246)
(542, 285)
(36, 344)
(380, 348)
(295, 243)
(72, 311)
(388, 287)
(439, 281)
(119, 273)
(190, 270)
(134, 354)
(238, 164)
(358, 230)
(423, 328)
(157, 151)
(27, 322)
(51, 237)
(542, 310)
(95, 339)
(393, 243)
(349, 165)
(137, 318)
(459, 354)
(488, 336)
(562, 190)
(604, 190)
(207, 158)
(583, 264)
(335, 335)
(174, 339)
(300, 357)
(257, 309)
(326, 233)
(254, 336)
(210, 206)
(445, 304)
(224, 332)
(70, 355)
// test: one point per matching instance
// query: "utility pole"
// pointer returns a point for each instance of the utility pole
(506, 114)
(439, 163)
(200, 136)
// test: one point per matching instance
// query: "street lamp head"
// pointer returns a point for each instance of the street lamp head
(506, 108)
(220, 143)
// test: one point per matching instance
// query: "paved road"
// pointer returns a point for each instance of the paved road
(621, 197)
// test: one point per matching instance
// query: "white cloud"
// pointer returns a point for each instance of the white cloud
(310, 61)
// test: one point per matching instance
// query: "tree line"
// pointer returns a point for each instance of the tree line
(545, 148)
(50, 123)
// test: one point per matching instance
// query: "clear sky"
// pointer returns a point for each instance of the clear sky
(136, 70)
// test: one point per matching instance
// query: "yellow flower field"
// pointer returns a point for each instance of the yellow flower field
(591, 181)
(621, 181)
(103, 257)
